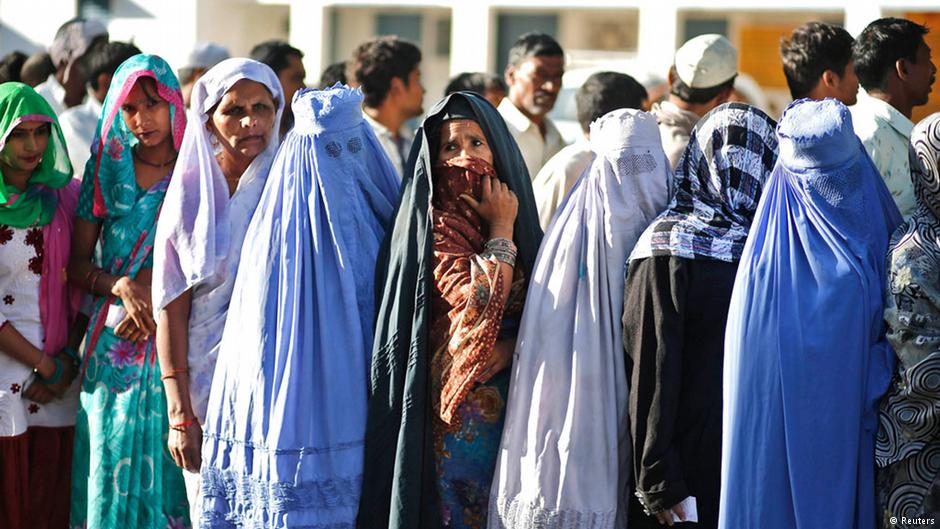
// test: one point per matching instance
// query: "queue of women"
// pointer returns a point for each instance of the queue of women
(225, 328)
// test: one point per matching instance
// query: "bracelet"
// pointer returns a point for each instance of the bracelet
(181, 427)
(56, 376)
(72, 353)
(505, 258)
(93, 280)
(172, 373)
(94, 284)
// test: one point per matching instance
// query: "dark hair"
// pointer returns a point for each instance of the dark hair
(812, 49)
(533, 45)
(880, 45)
(688, 94)
(10, 66)
(334, 73)
(378, 61)
(37, 68)
(276, 54)
(105, 59)
(606, 91)
(149, 87)
(476, 82)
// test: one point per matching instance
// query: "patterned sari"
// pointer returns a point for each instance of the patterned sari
(467, 318)
(124, 476)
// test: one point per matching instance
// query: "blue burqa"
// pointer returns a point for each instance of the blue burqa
(805, 355)
(287, 409)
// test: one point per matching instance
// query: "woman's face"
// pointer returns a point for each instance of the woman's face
(25, 146)
(244, 119)
(146, 114)
(463, 137)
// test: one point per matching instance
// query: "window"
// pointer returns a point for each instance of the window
(513, 25)
(407, 27)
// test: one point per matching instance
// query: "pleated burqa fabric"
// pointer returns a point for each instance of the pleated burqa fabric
(806, 358)
(286, 418)
(564, 456)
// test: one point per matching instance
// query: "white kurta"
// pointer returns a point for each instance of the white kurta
(20, 267)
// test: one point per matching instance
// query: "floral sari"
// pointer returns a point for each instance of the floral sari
(123, 473)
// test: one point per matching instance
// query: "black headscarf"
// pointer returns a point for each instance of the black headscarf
(399, 481)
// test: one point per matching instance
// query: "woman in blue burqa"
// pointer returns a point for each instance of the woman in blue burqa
(450, 282)
(806, 358)
(286, 415)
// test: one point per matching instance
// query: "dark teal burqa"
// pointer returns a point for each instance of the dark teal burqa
(399, 483)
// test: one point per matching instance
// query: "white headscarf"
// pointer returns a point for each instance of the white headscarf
(193, 233)
(565, 442)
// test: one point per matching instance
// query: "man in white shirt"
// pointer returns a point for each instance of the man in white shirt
(701, 78)
(893, 65)
(66, 87)
(600, 94)
(536, 66)
(79, 123)
(388, 70)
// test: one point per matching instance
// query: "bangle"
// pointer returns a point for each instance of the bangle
(94, 283)
(92, 278)
(56, 376)
(172, 373)
(181, 427)
(72, 353)
(42, 355)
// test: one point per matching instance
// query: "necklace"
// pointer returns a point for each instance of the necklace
(140, 159)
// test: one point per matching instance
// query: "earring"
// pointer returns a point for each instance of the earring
(216, 144)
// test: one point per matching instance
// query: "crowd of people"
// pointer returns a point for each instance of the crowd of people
(229, 300)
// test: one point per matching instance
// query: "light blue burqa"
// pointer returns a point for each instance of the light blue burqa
(286, 419)
(805, 355)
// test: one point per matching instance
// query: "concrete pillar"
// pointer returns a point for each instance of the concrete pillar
(657, 34)
(472, 37)
(310, 32)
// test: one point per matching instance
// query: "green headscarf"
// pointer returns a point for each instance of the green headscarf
(35, 206)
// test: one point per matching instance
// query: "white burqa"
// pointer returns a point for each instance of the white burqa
(564, 457)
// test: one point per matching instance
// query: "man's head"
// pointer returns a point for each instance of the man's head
(703, 73)
(287, 63)
(10, 66)
(37, 68)
(491, 87)
(71, 42)
(204, 56)
(334, 73)
(533, 74)
(100, 63)
(604, 92)
(388, 72)
(817, 61)
(891, 56)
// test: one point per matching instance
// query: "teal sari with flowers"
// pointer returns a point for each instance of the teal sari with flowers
(123, 475)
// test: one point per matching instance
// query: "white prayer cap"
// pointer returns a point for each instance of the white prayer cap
(706, 61)
(206, 55)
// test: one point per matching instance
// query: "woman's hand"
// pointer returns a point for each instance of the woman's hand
(186, 446)
(136, 298)
(498, 206)
(38, 392)
(665, 517)
(69, 372)
(502, 357)
(128, 330)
